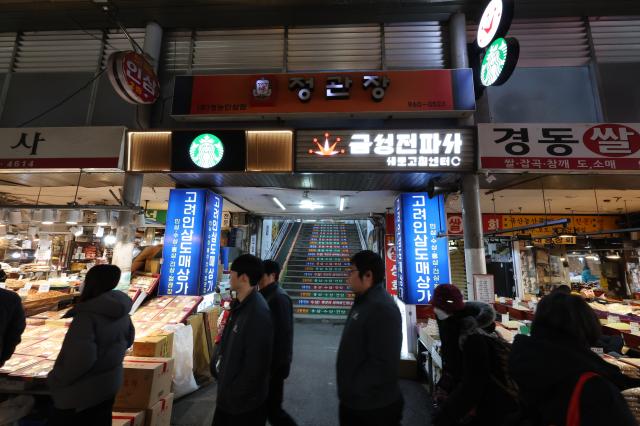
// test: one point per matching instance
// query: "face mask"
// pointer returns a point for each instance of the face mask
(440, 314)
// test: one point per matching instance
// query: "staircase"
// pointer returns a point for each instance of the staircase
(316, 272)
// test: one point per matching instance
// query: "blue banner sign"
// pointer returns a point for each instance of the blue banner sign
(213, 226)
(422, 257)
(191, 243)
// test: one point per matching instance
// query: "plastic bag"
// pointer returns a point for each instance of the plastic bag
(183, 380)
(13, 409)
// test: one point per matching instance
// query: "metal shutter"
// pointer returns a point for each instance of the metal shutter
(7, 43)
(177, 51)
(116, 41)
(415, 45)
(616, 39)
(548, 42)
(334, 48)
(58, 51)
(239, 50)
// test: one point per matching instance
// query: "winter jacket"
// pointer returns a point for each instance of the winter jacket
(242, 360)
(484, 392)
(369, 352)
(547, 367)
(89, 370)
(282, 314)
(12, 323)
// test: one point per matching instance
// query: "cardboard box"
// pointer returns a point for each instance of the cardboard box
(211, 316)
(160, 345)
(160, 413)
(146, 381)
(201, 357)
(129, 418)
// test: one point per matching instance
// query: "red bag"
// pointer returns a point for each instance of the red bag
(573, 413)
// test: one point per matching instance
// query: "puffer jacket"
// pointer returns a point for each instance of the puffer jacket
(89, 370)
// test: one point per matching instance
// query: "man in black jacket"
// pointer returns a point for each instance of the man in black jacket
(369, 353)
(242, 360)
(12, 323)
(282, 315)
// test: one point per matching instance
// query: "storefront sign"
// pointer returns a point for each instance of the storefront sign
(557, 148)
(390, 262)
(133, 78)
(190, 262)
(208, 150)
(483, 288)
(213, 227)
(400, 93)
(499, 61)
(492, 222)
(567, 240)
(495, 22)
(385, 150)
(61, 148)
(422, 257)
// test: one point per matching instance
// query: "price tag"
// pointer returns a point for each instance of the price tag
(505, 318)
(599, 351)
(502, 300)
(23, 292)
(635, 327)
(44, 288)
(613, 318)
(28, 286)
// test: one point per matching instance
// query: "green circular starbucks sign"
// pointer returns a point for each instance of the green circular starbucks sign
(206, 150)
(499, 61)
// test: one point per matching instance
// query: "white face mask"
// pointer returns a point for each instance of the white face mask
(440, 314)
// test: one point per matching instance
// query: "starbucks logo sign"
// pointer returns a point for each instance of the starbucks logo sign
(206, 151)
(499, 61)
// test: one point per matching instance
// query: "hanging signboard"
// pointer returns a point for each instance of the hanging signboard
(483, 288)
(499, 61)
(390, 263)
(422, 257)
(559, 147)
(208, 150)
(62, 148)
(189, 265)
(385, 150)
(495, 21)
(399, 93)
(133, 78)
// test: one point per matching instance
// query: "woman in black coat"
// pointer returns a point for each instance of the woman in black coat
(548, 365)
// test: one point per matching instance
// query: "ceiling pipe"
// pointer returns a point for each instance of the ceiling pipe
(78, 207)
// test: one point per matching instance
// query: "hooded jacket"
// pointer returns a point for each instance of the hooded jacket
(547, 368)
(484, 391)
(89, 370)
(369, 352)
(12, 323)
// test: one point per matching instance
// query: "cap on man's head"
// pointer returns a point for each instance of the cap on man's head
(448, 298)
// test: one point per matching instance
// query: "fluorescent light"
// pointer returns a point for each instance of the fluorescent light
(140, 220)
(275, 200)
(47, 217)
(614, 256)
(102, 218)
(342, 202)
(73, 217)
(110, 239)
(15, 255)
(529, 244)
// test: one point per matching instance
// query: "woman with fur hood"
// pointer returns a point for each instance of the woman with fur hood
(475, 358)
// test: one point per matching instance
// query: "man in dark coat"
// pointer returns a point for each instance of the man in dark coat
(369, 352)
(242, 360)
(12, 323)
(282, 314)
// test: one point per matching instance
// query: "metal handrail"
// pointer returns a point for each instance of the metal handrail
(281, 235)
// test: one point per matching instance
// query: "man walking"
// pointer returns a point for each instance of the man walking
(242, 360)
(282, 315)
(369, 352)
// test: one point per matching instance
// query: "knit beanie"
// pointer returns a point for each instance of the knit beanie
(448, 298)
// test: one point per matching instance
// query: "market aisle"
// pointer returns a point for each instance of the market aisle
(310, 393)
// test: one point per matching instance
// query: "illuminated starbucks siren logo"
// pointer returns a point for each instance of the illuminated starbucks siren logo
(206, 150)
(499, 61)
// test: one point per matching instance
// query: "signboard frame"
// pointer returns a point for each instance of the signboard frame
(486, 294)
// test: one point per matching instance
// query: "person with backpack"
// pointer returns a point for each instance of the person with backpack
(484, 394)
(561, 380)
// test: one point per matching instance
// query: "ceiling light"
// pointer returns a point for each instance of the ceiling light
(110, 239)
(78, 231)
(140, 220)
(275, 200)
(99, 231)
(102, 218)
(564, 233)
(73, 217)
(563, 259)
(529, 244)
(47, 217)
(15, 217)
(343, 201)
(613, 256)
(15, 255)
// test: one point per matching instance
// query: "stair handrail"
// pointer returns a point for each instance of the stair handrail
(275, 246)
(363, 241)
(285, 264)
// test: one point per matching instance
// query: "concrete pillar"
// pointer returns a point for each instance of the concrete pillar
(152, 47)
(458, 32)
(472, 223)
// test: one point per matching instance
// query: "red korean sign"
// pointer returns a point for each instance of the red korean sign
(390, 261)
(599, 148)
(133, 78)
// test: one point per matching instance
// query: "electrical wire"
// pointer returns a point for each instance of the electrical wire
(64, 100)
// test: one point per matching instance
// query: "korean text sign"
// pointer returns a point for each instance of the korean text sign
(422, 256)
(557, 147)
(188, 258)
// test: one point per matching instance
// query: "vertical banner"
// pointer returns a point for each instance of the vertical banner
(390, 262)
(213, 225)
(422, 257)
